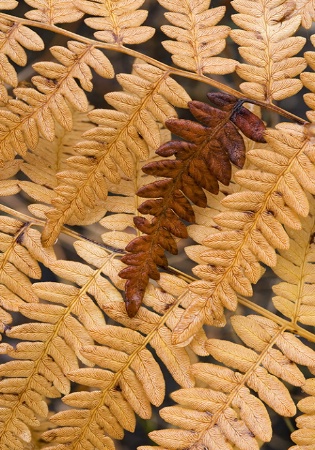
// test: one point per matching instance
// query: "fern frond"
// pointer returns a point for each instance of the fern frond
(308, 81)
(58, 11)
(9, 169)
(197, 37)
(34, 112)
(266, 43)
(14, 37)
(127, 378)
(304, 437)
(123, 136)
(20, 253)
(52, 342)
(227, 412)
(119, 22)
(43, 164)
(306, 9)
(202, 160)
(294, 297)
(252, 227)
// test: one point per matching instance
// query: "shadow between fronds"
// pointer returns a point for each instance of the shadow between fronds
(202, 159)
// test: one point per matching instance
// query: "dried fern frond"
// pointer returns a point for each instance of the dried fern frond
(308, 79)
(118, 22)
(14, 37)
(202, 160)
(123, 136)
(252, 226)
(34, 111)
(227, 412)
(305, 8)
(127, 378)
(58, 11)
(266, 43)
(294, 297)
(304, 437)
(52, 342)
(8, 170)
(43, 164)
(197, 37)
(21, 252)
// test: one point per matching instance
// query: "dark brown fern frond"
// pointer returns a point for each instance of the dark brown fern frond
(201, 161)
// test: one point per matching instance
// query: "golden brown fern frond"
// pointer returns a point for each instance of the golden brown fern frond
(197, 39)
(252, 226)
(51, 342)
(34, 111)
(14, 37)
(20, 255)
(266, 43)
(43, 164)
(58, 11)
(127, 378)
(308, 81)
(226, 411)
(294, 297)
(304, 8)
(304, 436)
(118, 22)
(123, 136)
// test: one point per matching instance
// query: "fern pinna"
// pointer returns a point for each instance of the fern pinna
(96, 316)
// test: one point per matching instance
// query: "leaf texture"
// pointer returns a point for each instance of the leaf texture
(197, 39)
(266, 43)
(14, 37)
(20, 255)
(202, 160)
(123, 135)
(51, 342)
(34, 111)
(117, 22)
(226, 413)
(252, 227)
(304, 436)
(294, 297)
(126, 379)
(305, 8)
(44, 163)
(308, 81)
(59, 11)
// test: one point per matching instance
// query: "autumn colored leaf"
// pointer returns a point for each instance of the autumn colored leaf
(200, 161)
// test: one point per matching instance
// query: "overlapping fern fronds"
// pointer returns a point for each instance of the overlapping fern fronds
(110, 191)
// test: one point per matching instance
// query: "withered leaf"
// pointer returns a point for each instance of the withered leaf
(200, 161)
